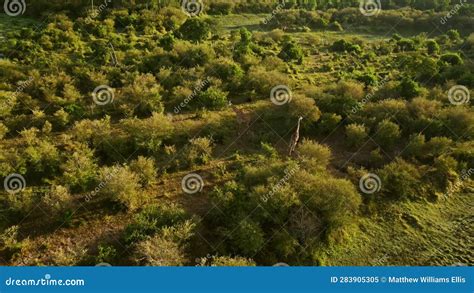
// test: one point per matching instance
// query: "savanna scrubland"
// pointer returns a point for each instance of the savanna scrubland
(237, 133)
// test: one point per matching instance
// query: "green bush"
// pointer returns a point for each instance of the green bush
(195, 29)
(313, 155)
(328, 122)
(438, 146)
(58, 200)
(445, 173)
(142, 95)
(198, 151)
(221, 7)
(79, 170)
(145, 169)
(167, 247)
(401, 181)
(345, 46)
(416, 146)
(247, 238)
(387, 133)
(213, 98)
(122, 185)
(452, 59)
(291, 52)
(432, 47)
(356, 135)
(409, 89)
(106, 254)
(148, 134)
(152, 219)
(333, 201)
(406, 45)
(226, 261)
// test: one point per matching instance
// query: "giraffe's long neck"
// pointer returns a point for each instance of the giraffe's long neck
(297, 136)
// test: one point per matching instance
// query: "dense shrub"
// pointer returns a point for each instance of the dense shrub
(123, 186)
(159, 251)
(432, 47)
(409, 89)
(212, 99)
(387, 133)
(221, 7)
(143, 95)
(148, 134)
(314, 156)
(195, 29)
(345, 46)
(166, 248)
(334, 200)
(401, 180)
(226, 261)
(291, 51)
(57, 200)
(356, 135)
(145, 169)
(247, 238)
(152, 219)
(198, 151)
(80, 169)
(329, 122)
(452, 59)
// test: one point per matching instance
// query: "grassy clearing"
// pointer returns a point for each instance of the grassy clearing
(412, 234)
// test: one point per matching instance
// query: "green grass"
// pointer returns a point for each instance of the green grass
(411, 233)
(10, 24)
(236, 21)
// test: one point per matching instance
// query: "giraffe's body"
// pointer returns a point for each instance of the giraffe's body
(295, 138)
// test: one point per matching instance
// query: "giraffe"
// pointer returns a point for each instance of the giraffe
(242, 118)
(113, 55)
(295, 138)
